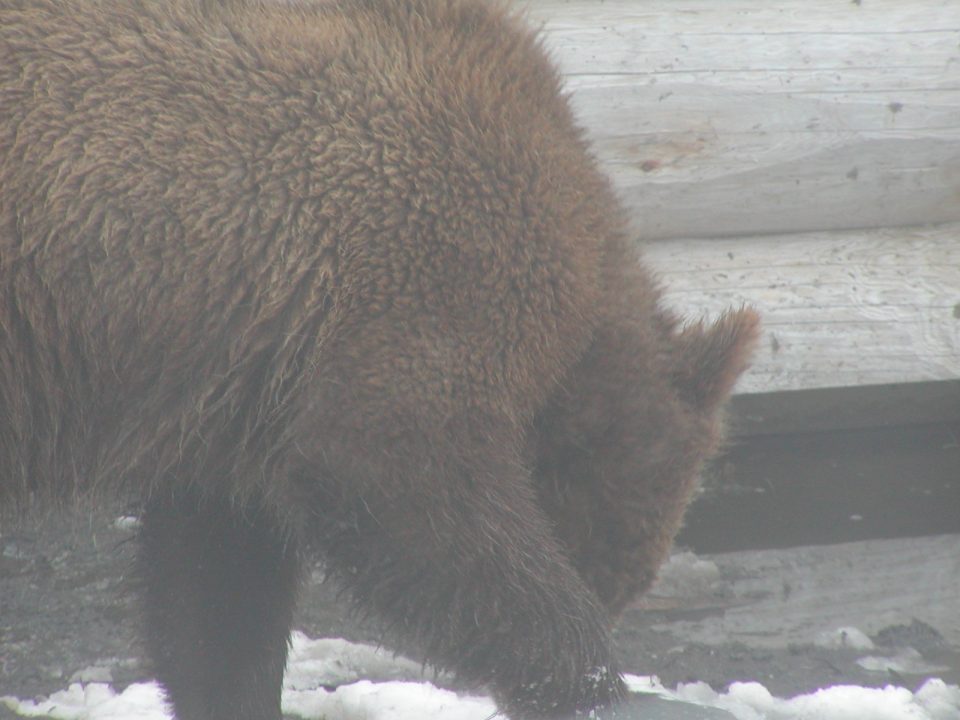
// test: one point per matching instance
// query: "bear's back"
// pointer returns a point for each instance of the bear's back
(197, 200)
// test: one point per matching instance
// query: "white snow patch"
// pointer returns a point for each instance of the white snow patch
(93, 673)
(127, 522)
(96, 701)
(316, 665)
(844, 637)
(907, 660)
(366, 700)
(685, 574)
(935, 700)
(940, 700)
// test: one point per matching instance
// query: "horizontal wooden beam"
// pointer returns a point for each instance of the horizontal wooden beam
(829, 487)
(782, 598)
(849, 408)
(733, 118)
(839, 309)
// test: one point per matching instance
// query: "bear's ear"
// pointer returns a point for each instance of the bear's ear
(710, 359)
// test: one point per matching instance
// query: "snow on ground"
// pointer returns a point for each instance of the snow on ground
(388, 691)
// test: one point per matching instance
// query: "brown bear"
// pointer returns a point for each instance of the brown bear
(341, 277)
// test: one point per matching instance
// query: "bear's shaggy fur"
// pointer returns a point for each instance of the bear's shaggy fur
(340, 276)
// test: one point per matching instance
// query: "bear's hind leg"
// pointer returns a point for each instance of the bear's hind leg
(219, 587)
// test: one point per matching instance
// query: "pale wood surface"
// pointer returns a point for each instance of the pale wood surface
(839, 308)
(750, 116)
(777, 597)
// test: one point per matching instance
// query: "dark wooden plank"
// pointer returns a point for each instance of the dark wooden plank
(773, 491)
(847, 408)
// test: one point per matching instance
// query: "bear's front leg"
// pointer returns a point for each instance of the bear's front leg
(219, 584)
(439, 534)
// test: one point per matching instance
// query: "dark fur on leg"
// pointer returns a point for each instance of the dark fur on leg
(457, 559)
(219, 586)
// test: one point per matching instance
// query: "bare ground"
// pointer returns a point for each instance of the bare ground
(68, 612)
